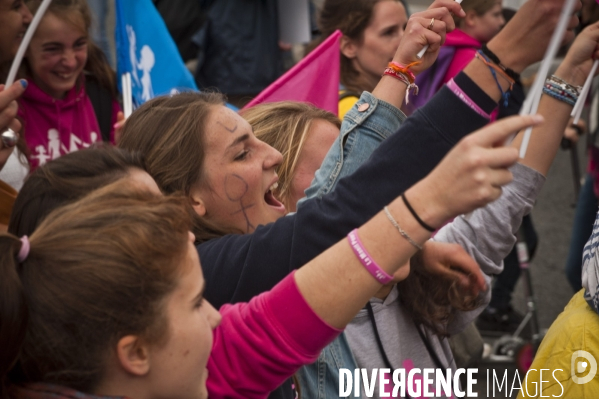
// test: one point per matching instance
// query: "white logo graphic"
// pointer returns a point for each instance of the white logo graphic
(56, 148)
(145, 64)
(581, 366)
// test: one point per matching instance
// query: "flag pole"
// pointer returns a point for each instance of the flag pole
(127, 94)
(579, 106)
(25, 43)
(531, 104)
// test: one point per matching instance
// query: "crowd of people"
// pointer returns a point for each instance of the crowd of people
(193, 251)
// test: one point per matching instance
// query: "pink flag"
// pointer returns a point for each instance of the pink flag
(315, 79)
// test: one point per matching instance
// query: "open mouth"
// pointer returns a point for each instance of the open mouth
(270, 199)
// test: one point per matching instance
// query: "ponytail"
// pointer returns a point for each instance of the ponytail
(13, 308)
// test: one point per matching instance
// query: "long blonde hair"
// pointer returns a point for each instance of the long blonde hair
(284, 126)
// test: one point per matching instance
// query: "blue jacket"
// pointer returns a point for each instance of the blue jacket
(361, 133)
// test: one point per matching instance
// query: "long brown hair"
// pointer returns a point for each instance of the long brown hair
(284, 126)
(351, 17)
(169, 132)
(75, 12)
(433, 301)
(93, 275)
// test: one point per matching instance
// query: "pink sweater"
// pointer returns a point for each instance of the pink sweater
(260, 344)
(56, 127)
(466, 47)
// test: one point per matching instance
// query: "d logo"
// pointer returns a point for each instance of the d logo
(582, 365)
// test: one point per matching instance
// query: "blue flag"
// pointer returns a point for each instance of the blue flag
(146, 50)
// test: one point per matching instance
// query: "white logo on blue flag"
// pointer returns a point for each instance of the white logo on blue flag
(146, 50)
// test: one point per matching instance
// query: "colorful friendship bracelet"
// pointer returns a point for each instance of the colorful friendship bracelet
(505, 95)
(366, 260)
(404, 78)
(571, 90)
(547, 89)
(404, 69)
(549, 86)
(508, 71)
(481, 56)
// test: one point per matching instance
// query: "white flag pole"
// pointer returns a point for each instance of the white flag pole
(531, 104)
(127, 94)
(579, 106)
(421, 52)
(25, 43)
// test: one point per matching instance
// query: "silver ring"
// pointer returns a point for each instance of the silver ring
(9, 138)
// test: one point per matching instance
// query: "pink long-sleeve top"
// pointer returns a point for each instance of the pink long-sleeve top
(56, 127)
(261, 343)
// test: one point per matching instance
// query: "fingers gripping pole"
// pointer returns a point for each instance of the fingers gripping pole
(421, 52)
(25, 43)
(531, 104)
(579, 106)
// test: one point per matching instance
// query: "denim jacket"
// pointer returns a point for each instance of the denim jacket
(364, 127)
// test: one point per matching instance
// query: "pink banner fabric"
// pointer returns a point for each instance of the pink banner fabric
(315, 79)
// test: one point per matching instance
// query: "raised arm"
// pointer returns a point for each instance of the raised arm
(490, 232)
(335, 285)
(238, 267)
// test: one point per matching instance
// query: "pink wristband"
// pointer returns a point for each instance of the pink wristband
(453, 86)
(364, 257)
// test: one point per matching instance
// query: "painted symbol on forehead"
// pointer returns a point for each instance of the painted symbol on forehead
(235, 189)
(228, 129)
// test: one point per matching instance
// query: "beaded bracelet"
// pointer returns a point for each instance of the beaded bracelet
(366, 260)
(558, 90)
(571, 90)
(549, 90)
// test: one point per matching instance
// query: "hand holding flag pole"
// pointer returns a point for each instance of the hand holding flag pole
(578, 107)
(421, 52)
(531, 104)
(10, 135)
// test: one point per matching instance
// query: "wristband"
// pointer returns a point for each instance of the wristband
(366, 260)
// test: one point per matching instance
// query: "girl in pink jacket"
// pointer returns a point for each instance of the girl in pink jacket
(65, 71)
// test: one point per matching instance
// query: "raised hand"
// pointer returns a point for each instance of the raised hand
(417, 34)
(452, 262)
(525, 38)
(578, 62)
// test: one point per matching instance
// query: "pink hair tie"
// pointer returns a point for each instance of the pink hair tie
(24, 251)
(366, 260)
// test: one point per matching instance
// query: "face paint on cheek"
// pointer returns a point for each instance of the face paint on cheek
(235, 189)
